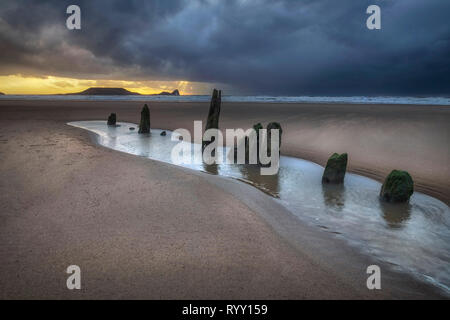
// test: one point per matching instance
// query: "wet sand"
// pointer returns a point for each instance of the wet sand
(378, 138)
(144, 229)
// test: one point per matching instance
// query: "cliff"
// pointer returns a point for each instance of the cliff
(105, 92)
(173, 93)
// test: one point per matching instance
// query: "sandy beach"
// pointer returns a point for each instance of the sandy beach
(144, 229)
(378, 138)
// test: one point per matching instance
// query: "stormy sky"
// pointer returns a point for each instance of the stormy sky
(289, 47)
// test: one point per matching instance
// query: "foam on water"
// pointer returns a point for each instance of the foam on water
(413, 237)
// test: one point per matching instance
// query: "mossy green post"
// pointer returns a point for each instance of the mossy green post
(398, 187)
(212, 122)
(256, 127)
(335, 169)
(144, 125)
(270, 126)
(112, 119)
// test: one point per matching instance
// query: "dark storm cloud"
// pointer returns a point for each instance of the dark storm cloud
(258, 47)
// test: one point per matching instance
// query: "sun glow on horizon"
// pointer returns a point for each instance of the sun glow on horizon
(18, 84)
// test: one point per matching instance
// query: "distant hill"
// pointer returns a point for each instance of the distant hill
(2, 94)
(119, 92)
(105, 92)
(165, 93)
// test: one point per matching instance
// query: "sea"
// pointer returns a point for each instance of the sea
(259, 99)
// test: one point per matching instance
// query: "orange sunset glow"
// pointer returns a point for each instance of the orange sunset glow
(17, 84)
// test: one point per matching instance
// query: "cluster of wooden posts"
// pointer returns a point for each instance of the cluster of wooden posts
(397, 187)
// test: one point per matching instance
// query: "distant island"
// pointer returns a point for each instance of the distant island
(118, 92)
(105, 92)
(2, 94)
(165, 93)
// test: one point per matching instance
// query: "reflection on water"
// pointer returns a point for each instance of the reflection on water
(395, 214)
(269, 184)
(334, 195)
(414, 236)
(211, 168)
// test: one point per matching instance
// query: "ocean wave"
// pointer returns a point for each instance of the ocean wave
(259, 99)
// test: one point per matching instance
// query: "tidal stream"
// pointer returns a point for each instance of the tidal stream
(414, 237)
